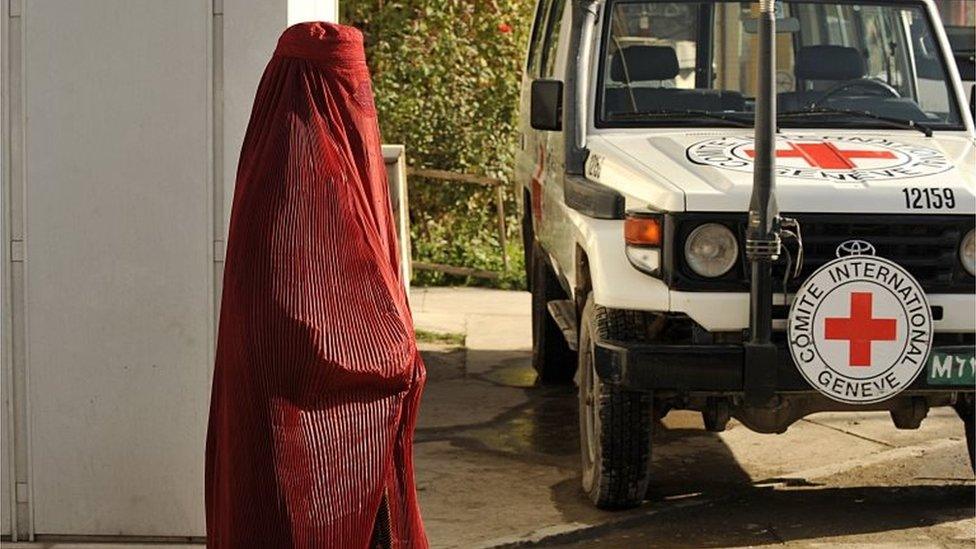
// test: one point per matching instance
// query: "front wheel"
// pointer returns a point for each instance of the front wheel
(615, 424)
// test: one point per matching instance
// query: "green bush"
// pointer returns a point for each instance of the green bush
(446, 76)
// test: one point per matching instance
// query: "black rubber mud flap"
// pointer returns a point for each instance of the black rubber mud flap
(528, 237)
(552, 358)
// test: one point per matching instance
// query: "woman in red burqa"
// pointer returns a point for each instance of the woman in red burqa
(318, 378)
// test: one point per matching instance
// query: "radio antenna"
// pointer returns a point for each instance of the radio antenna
(762, 235)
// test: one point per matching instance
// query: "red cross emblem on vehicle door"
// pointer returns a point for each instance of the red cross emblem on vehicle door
(861, 329)
(825, 155)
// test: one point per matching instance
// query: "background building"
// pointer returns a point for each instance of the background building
(959, 17)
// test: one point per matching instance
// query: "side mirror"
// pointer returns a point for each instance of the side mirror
(547, 105)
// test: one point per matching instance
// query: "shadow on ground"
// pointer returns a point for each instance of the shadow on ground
(700, 497)
(754, 516)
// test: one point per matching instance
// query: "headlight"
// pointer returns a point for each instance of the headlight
(711, 250)
(967, 252)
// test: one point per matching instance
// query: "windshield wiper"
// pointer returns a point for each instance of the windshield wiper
(686, 114)
(894, 122)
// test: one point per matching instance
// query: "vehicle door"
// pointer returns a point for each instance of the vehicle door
(547, 196)
(527, 166)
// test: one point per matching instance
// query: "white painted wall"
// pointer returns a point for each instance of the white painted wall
(122, 122)
(118, 263)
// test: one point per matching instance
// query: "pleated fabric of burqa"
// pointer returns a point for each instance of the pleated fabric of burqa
(317, 378)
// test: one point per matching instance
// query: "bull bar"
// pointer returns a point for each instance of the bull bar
(716, 368)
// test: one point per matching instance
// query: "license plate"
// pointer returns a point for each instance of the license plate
(957, 368)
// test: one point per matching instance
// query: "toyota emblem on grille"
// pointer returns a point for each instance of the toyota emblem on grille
(855, 247)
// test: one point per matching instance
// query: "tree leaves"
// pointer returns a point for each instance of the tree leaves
(446, 76)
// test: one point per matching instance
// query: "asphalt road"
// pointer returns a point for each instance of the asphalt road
(498, 463)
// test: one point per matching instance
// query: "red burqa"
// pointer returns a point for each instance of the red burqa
(318, 378)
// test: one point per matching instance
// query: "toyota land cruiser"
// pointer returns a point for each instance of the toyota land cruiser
(636, 172)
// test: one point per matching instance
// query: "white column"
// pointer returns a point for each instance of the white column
(300, 11)
(250, 32)
(245, 35)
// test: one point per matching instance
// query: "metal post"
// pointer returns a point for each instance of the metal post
(395, 159)
(762, 238)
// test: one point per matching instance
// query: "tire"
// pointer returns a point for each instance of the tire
(615, 425)
(553, 360)
(967, 413)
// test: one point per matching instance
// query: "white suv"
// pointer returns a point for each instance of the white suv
(636, 173)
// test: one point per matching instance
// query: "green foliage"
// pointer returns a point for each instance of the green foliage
(446, 77)
(440, 338)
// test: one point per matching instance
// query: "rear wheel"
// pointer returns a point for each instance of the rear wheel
(615, 424)
(552, 358)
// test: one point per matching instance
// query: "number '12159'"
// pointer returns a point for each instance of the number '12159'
(928, 199)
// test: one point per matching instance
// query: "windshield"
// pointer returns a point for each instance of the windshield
(683, 63)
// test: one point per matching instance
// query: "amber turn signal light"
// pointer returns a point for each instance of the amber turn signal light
(642, 230)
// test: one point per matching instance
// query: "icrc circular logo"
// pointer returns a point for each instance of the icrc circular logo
(860, 329)
(841, 159)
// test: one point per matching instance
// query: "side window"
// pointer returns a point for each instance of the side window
(532, 65)
(932, 94)
(551, 41)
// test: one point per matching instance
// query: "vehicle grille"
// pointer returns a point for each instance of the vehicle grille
(927, 246)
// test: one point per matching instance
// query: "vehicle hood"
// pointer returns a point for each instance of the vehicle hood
(817, 170)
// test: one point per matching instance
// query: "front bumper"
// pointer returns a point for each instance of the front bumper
(715, 369)
(729, 312)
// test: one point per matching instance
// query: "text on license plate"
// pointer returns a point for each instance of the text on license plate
(952, 368)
